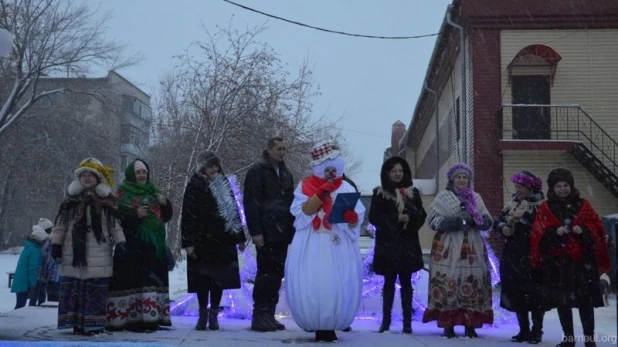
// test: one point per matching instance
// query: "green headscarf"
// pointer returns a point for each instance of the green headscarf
(133, 194)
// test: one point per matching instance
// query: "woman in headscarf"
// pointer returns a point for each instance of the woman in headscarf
(211, 231)
(459, 278)
(87, 226)
(139, 289)
(520, 283)
(569, 246)
(397, 213)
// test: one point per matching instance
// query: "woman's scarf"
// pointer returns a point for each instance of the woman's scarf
(87, 210)
(586, 218)
(466, 196)
(132, 195)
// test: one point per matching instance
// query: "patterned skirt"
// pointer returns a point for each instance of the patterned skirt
(81, 303)
(460, 290)
(139, 290)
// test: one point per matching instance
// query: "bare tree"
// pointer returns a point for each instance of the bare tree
(229, 94)
(52, 38)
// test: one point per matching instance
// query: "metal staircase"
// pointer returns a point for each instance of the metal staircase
(595, 149)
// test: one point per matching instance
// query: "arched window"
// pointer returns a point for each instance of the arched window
(535, 60)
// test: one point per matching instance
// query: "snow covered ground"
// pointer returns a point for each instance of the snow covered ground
(36, 326)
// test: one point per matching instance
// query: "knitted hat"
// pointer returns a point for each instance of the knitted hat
(322, 152)
(560, 174)
(207, 159)
(459, 168)
(93, 165)
(324, 155)
(39, 233)
(137, 164)
(528, 180)
(45, 223)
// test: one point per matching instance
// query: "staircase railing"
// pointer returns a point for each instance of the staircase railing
(558, 123)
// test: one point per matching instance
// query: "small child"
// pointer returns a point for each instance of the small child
(27, 270)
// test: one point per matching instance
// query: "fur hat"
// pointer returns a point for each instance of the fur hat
(45, 223)
(207, 159)
(560, 174)
(93, 165)
(528, 180)
(39, 233)
(459, 168)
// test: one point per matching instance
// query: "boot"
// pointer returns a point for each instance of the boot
(388, 296)
(586, 315)
(471, 333)
(261, 321)
(202, 320)
(213, 322)
(536, 333)
(272, 307)
(329, 336)
(565, 314)
(449, 332)
(524, 328)
(406, 307)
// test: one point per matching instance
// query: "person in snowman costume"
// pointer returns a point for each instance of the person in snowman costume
(323, 270)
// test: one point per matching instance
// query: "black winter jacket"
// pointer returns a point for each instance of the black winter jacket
(267, 198)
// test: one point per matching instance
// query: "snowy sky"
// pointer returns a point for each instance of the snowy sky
(370, 83)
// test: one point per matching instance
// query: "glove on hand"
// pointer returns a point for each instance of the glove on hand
(350, 217)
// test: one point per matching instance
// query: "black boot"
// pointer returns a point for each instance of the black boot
(262, 322)
(388, 296)
(471, 333)
(213, 321)
(406, 307)
(201, 322)
(565, 314)
(272, 308)
(449, 332)
(524, 328)
(536, 333)
(329, 336)
(586, 315)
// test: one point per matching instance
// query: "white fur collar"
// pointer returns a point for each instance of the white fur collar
(102, 189)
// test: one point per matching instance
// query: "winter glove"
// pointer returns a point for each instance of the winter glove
(466, 220)
(449, 224)
(350, 217)
(120, 251)
(486, 223)
(325, 190)
(56, 251)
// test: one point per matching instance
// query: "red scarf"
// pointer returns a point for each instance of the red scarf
(587, 219)
(311, 186)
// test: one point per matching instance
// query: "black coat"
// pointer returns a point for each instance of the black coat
(397, 249)
(521, 284)
(204, 229)
(267, 198)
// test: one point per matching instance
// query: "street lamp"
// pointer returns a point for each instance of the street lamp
(6, 43)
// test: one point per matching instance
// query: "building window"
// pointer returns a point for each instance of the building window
(132, 134)
(123, 161)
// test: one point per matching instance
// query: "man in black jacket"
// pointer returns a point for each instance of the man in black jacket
(268, 195)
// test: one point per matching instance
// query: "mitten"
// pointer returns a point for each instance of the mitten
(486, 223)
(325, 190)
(120, 251)
(350, 216)
(467, 218)
(56, 251)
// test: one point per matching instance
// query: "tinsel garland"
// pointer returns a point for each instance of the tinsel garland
(228, 210)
